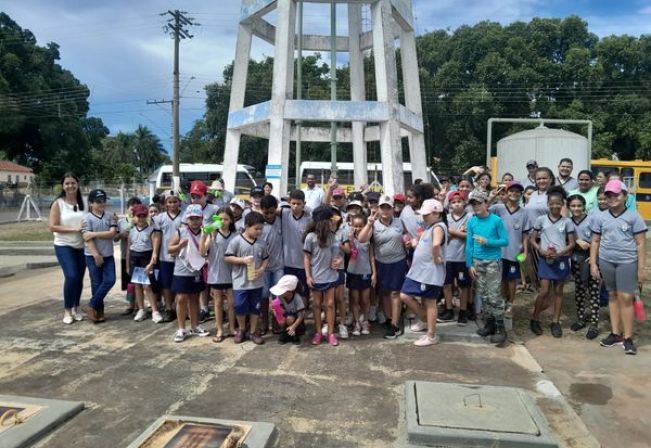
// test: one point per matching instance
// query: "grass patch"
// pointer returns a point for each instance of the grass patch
(25, 231)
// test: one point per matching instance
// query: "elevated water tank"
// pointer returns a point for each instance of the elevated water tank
(544, 145)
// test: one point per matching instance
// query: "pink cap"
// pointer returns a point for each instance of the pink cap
(615, 186)
(430, 206)
(338, 192)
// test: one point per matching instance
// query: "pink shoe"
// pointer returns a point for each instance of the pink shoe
(316, 339)
(426, 341)
(332, 340)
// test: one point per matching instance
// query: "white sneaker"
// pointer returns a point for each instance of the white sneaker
(357, 329)
(372, 313)
(140, 316)
(343, 331)
(324, 329)
(180, 336)
(156, 317)
(68, 319)
(199, 332)
(366, 328)
(426, 341)
(76, 315)
(418, 326)
(381, 318)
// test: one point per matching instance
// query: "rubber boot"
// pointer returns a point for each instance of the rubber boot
(489, 328)
(499, 337)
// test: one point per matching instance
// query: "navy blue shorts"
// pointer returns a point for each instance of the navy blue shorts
(559, 271)
(510, 270)
(323, 287)
(247, 301)
(457, 270)
(302, 289)
(391, 276)
(341, 279)
(187, 285)
(221, 286)
(417, 289)
(166, 274)
(358, 282)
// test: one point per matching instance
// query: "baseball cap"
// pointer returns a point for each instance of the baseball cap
(477, 196)
(139, 209)
(194, 211)
(286, 283)
(356, 196)
(373, 196)
(615, 186)
(399, 197)
(322, 213)
(514, 184)
(217, 184)
(198, 187)
(430, 206)
(169, 194)
(97, 195)
(240, 203)
(386, 200)
(338, 192)
(456, 195)
(257, 191)
(532, 163)
(357, 203)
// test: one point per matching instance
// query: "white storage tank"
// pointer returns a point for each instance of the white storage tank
(544, 145)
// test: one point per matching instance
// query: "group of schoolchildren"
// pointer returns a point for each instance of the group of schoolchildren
(269, 265)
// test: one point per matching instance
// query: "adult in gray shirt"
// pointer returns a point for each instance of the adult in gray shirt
(564, 178)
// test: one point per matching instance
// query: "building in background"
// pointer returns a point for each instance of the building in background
(12, 174)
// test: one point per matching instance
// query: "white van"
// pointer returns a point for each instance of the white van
(206, 172)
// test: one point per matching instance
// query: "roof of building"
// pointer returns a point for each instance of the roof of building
(6, 165)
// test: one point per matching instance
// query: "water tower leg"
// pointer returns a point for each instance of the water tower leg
(238, 90)
(357, 92)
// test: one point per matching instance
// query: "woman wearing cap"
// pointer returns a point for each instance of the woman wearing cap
(391, 260)
(427, 273)
(618, 250)
(66, 213)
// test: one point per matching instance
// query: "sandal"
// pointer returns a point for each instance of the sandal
(217, 339)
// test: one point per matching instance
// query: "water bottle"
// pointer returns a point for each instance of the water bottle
(250, 271)
(278, 310)
(551, 249)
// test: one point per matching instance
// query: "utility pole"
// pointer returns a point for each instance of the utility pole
(176, 28)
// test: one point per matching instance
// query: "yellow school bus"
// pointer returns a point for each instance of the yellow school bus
(636, 174)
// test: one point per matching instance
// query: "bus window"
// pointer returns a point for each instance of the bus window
(645, 181)
(345, 177)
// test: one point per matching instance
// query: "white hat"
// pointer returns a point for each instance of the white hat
(286, 283)
(430, 206)
(385, 200)
(240, 203)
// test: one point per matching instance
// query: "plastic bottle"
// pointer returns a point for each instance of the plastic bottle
(250, 271)
(638, 308)
(551, 249)
(278, 310)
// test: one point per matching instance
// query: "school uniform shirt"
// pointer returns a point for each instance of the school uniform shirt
(239, 223)
(93, 223)
(360, 264)
(618, 235)
(553, 232)
(455, 249)
(387, 241)
(423, 269)
(292, 307)
(582, 228)
(140, 239)
(241, 247)
(320, 258)
(492, 229)
(167, 225)
(413, 222)
(340, 237)
(219, 272)
(180, 268)
(293, 235)
(516, 223)
(273, 236)
(537, 206)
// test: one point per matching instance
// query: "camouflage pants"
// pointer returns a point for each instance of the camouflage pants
(489, 286)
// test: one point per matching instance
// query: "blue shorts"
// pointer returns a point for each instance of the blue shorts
(559, 271)
(247, 301)
(187, 285)
(510, 270)
(358, 282)
(413, 288)
(323, 287)
(391, 276)
(166, 274)
(341, 279)
(302, 289)
(457, 270)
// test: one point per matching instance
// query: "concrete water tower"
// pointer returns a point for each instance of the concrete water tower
(384, 120)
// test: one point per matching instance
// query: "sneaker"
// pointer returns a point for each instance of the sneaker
(180, 336)
(629, 347)
(76, 315)
(535, 327)
(68, 319)
(127, 312)
(462, 320)
(257, 339)
(317, 338)
(169, 316)
(418, 326)
(239, 337)
(508, 311)
(426, 341)
(199, 332)
(556, 329)
(446, 316)
(343, 331)
(204, 315)
(156, 317)
(332, 340)
(612, 340)
(578, 325)
(391, 332)
(372, 314)
(381, 318)
(140, 316)
(366, 327)
(592, 333)
(324, 329)
(357, 329)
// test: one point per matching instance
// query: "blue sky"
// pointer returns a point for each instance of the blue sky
(120, 51)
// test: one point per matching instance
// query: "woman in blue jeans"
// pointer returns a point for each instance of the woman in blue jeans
(66, 213)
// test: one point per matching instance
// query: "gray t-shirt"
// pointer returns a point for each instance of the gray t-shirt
(239, 223)
(320, 258)
(360, 264)
(167, 225)
(272, 235)
(455, 250)
(293, 236)
(553, 232)
(517, 224)
(140, 239)
(582, 228)
(569, 185)
(219, 272)
(618, 235)
(241, 247)
(423, 269)
(387, 241)
(537, 206)
(180, 268)
(93, 223)
(413, 223)
(341, 236)
(294, 306)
